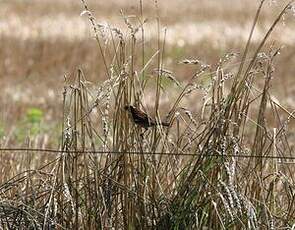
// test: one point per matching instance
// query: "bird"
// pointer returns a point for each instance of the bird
(141, 118)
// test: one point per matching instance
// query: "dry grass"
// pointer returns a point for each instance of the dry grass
(108, 174)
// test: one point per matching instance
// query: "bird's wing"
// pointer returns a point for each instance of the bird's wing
(140, 116)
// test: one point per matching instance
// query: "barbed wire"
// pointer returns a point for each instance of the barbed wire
(56, 151)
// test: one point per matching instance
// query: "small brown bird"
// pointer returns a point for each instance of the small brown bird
(141, 118)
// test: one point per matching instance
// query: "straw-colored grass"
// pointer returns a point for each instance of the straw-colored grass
(223, 163)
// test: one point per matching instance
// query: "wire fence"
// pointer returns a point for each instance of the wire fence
(280, 159)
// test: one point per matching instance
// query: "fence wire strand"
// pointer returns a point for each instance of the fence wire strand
(56, 151)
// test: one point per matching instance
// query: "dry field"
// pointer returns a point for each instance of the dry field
(41, 41)
(64, 86)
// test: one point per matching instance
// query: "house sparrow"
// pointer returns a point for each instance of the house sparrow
(141, 118)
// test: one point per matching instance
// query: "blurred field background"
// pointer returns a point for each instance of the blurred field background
(43, 40)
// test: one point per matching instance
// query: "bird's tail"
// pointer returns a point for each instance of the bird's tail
(165, 124)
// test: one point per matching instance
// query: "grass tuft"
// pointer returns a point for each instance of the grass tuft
(109, 173)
